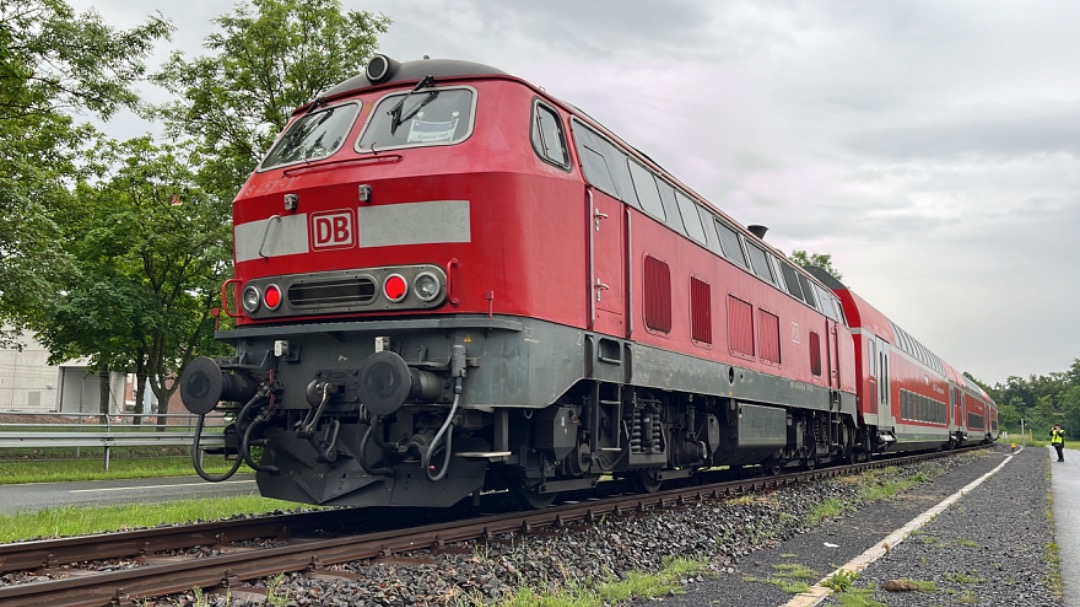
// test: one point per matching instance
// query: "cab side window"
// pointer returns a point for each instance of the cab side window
(548, 138)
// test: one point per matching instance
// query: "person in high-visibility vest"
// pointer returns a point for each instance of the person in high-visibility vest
(1057, 439)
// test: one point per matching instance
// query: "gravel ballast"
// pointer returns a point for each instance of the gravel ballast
(749, 546)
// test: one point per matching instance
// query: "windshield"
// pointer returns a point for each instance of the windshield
(314, 136)
(427, 117)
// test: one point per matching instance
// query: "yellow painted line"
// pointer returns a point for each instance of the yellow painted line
(819, 593)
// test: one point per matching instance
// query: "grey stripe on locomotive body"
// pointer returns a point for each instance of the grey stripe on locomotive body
(519, 362)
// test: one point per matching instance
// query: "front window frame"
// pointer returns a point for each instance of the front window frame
(313, 112)
(399, 92)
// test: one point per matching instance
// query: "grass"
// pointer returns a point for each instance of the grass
(789, 577)
(120, 466)
(79, 520)
(858, 597)
(830, 508)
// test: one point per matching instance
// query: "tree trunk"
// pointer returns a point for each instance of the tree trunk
(140, 396)
(162, 408)
(104, 391)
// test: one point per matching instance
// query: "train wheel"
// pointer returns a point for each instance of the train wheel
(810, 463)
(647, 481)
(773, 466)
(534, 500)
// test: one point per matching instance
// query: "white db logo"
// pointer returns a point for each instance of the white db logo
(332, 230)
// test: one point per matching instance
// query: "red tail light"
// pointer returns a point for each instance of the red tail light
(395, 288)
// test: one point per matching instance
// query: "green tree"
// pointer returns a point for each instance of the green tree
(821, 260)
(52, 61)
(270, 57)
(150, 250)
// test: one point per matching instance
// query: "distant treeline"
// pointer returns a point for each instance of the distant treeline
(1040, 400)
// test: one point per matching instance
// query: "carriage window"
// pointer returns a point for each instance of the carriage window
(548, 138)
(690, 217)
(427, 117)
(729, 240)
(645, 184)
(791, 277)
(313, 136)
(826, 300)
(604, 165)
(808, 292)
(760, 263)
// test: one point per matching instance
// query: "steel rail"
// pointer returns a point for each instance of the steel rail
(229, 570)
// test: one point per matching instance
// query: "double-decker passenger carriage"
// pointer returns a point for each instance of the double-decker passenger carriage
(450, 282)
(909, 399)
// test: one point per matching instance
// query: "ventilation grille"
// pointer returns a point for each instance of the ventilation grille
(700, 311)
(657, 295)
(769, 333)
(740, 326)
(338, 292)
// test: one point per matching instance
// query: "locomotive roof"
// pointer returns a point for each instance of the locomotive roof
(411, 71)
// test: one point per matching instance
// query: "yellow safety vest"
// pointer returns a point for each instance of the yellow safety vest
(1057, 437)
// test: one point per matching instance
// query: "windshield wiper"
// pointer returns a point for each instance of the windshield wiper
(395, 112)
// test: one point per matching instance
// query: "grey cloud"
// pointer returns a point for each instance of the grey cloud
(995, 131)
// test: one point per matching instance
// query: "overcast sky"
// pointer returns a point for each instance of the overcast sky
(931, 147)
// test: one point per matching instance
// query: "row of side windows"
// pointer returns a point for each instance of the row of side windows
(612, 170)
(909, 344)
(975, 421)
(919, 408)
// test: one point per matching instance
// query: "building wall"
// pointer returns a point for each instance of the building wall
(28, 383)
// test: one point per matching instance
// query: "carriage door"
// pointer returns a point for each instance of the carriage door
(871, 390)
(607, 264)
(956, 414)
(884, 380)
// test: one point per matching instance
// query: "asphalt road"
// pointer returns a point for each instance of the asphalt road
(35, 496)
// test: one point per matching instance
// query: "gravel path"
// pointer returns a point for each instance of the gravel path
(989, 549)
(752, 544)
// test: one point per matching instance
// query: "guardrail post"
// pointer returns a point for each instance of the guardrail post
(106, 458)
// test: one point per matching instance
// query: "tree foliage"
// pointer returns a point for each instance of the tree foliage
(1041, 400)
(270, 57)
(150, 250)
(52, 61)
(821, 260)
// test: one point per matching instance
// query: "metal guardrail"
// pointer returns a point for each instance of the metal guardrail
(62, 430)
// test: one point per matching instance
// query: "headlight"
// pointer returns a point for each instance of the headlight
(427, 286)
(250, 299)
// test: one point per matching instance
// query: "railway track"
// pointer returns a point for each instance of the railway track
(248, 549)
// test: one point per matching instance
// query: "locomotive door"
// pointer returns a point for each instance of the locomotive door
(607, 264)
(832, 348)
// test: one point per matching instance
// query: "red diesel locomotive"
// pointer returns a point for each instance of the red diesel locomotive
(448, 281)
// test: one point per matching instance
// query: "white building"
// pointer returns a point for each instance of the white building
(28, 383)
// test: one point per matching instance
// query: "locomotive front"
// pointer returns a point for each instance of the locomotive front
(358, 339)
